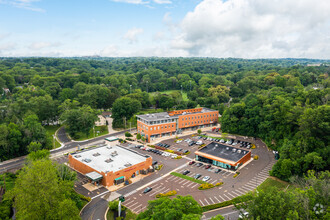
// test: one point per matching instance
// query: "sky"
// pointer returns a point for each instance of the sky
(166, 28)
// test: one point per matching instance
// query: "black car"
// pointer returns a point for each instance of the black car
(148, 189)
(180, 149)
(205, 138)
(197, 176)
(185, 172)
(186, 151)
(154, 162)
(217, 171)
(199, 165)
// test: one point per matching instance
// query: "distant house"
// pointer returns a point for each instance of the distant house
(5, 91)
(106, 114)
(101, 122)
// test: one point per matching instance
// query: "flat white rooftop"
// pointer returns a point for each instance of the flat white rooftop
(109, 158)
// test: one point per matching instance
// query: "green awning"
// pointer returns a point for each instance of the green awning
(122, 177)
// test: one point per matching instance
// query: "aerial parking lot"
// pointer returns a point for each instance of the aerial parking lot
(251, 174)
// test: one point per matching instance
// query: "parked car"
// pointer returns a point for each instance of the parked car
(217, 170)
(185, 172)
(210, 169)
(206, 178)
(186, 151)
(180, 149)
(197, 176)
(148, 189)
(191, 162)
(243, 215)
(154, 162)
(207, 166)
(199, 165)
(173, 156)
(222, 141)
(204, 138)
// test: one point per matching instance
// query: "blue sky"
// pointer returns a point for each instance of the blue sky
(207, 28)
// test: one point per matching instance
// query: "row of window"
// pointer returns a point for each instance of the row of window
(195, 122)
(156, 122)
(198, 117)
(156, 128)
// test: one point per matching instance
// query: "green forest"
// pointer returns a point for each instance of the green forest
(282, 101)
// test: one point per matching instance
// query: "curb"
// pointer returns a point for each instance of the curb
(218, 208)
(84, 207)
(106, 212)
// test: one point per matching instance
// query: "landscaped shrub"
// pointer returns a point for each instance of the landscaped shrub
(199, 131)
(159, 167)
(256, 157)
(169, 193)
(178, 157)
(253, 146)
(127, 134)
(170, 151)
(138, 136)
(187, 153)
(128, 139)
(236, 174)
(205, 186)
(219, 184)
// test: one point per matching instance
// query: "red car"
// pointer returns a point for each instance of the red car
(191, 162)
(207, 166)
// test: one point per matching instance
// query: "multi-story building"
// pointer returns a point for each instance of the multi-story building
(161, 124)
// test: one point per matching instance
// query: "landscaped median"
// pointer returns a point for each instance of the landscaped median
(169, 193)
(205, 186)
(187, 177)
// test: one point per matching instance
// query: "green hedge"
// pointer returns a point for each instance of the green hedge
(187, 177)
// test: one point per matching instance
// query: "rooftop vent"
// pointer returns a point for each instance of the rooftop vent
(227, 148)
(108, 160)
(87, 160)
(96, 154)
(77, 156)
(114, 153)
(216, 145)
(239, 151)
(234, 150)
(128, 165)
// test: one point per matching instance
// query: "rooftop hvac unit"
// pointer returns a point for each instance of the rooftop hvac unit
(216, 145)
(77, 156)
(114, 153)
(239, 151)
(96, 154)
(234, 150)
(128, 165)
(87, 160)
(227, 148)
(108, 160)
(109, 147)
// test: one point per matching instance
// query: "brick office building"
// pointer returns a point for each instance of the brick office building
(161, 124)
(110, 165)
(223, 156)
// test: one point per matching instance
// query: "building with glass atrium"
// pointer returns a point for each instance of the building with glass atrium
(220, 155)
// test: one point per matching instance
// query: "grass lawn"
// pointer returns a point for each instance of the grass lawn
(99, 131)
(187, 177)
(51, 129)
(129, 215)
(184, 94)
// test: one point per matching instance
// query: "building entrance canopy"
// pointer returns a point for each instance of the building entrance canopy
(94, 176)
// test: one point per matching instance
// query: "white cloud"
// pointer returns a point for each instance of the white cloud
(4, 35)
(25, 4)
(132, 35)
(163, 1)
(7, 46)
(256, 28)
(42, 45)
(137, 2)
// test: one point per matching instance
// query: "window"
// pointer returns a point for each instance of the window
(165, 126)
(172, 126)
(150, 129)
(158, 128)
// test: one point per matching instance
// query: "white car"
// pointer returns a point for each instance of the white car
(173, 156)
(243, 215)
(206, 178)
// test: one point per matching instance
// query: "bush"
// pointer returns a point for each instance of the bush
(256, 157)
(253, 146)
(127, 134)
(138, 136)
(205, 186)
(199, 131)
(187, 153)
(170, 151)
(178, 157)
(129, 139)
(236, 174)
(159, 167)
(169, 193)
(219, 184)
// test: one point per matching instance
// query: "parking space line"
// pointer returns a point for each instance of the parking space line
(207, 202)
(248, 187)
(158, 190)
(226, 196)
(211, 200)
(235, 193)
(242, 191)
(132, 205)
(216, 199)
(194, 185)
(231, 194)
(222, 198)
(213, 182)
(136, 207)
(191, 183)
(201, 202)
(186, 182)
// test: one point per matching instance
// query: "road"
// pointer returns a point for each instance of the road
(17, 163)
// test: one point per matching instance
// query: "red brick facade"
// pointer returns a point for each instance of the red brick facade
(109, 177)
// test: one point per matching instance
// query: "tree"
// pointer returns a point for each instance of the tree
(199, 131)
(34, 146)
(127, 134)
(81, 119)
(37, 155)
(218, 217)
(181, 207)
(39, 194)
(138, 136)
(124, 108)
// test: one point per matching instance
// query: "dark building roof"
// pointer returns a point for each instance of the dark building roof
(223, 151)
